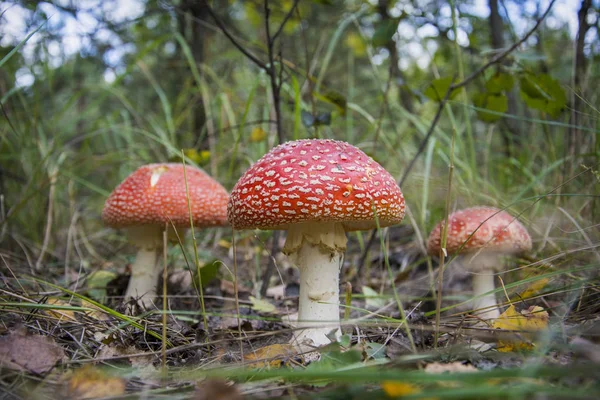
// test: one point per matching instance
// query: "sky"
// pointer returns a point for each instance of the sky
(74, 32)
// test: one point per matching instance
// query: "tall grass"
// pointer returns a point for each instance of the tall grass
(70, 138)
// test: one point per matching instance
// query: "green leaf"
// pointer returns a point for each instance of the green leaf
(372, 298)
(307, 119)
(209, 271)
(438, 88)
(345, 341)
(97, 282)
(499, 83)
(384, 32)
(259, 305)
(375, 350)
(335, 98)
(544, 93)
(497, 103)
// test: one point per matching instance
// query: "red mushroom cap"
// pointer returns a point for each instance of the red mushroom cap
(315, 181)
(492, 229)
(155, 194)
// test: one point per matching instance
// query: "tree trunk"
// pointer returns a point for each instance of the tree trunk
(510, 133)
(576, 137)
(191, 27)
(404, 91)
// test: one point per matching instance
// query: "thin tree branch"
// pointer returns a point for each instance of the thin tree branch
(453, 87)
(499, 57)
(285, 20)
(233, 41)
(275, 87)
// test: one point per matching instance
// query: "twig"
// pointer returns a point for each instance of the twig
(500, 56)
(275, 86)
(233, 41)
(285, 20)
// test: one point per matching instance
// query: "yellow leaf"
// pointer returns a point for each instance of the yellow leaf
(192, 154)
(534, 288)
(95, 312)
(532, 319)
(261, 305)
(204, 157)
(397, 389)
(356, 43)
(63, 315)
(258, 134)
(225, 243)
(90, 383)
(273, 356)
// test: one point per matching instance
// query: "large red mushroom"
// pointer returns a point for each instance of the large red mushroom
(317, 190)
(152, 199)
(482, 235)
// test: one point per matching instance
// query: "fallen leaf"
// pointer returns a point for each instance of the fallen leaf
(372, 298)
(273, 356)
(533, 289)
(31, 353)
(58, 313)
(216, 389)
(276, 292)
(397, 389)
(440, 368)
(97, 282)
(89, 382)
(532, 319)
(95, 311)
(260, 305)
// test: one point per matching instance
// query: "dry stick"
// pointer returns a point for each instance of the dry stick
(275, 91)
(48, 230)
(467, 80)
(444, 234)
(196, 259)
(235, 291)
(164, 316)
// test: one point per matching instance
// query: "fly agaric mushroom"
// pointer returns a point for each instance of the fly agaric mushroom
(317, 190)
(154, 198)
(483, 235)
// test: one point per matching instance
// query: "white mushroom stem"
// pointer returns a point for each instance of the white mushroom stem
(484, 283)
(483, 266)
(145, 272)
(317, 250)
(148, 264)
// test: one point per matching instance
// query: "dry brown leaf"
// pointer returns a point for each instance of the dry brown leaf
(272, 356)
(116, 351)
(62, 315)
(440, 368)
(532, 319)
(91, 383)
(31, 353)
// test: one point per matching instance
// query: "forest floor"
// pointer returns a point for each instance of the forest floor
(78, 341)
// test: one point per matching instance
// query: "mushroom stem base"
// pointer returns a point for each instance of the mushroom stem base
(318, 309)
(483, 282)
(144, 277)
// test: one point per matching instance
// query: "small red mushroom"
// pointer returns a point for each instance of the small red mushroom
(152, 198)
(317, 190)
(482, 235)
